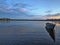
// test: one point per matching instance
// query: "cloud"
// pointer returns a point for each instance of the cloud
(23, 10)
(56, 14)
(17, 7)
(22, 5)
(18, 10)
(6, 9)
(48, 11)
(13, 12)
(53, 16)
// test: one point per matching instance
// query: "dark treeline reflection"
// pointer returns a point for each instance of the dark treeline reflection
(5, 21)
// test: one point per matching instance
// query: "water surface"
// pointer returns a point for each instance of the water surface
(27, 33)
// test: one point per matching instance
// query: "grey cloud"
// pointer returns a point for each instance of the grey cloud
(48, 11)
(21, 5)
(5, 9)
(56, 14)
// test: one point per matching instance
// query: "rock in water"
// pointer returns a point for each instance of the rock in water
(50, 29)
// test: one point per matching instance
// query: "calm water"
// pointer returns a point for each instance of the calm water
(27, 33)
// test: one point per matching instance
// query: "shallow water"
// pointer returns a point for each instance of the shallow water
(27, 33)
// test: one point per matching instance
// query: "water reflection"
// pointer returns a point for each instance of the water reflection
(57, 23)
(51, 33)
(4, 21)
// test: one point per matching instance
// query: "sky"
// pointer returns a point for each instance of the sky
(28, 8)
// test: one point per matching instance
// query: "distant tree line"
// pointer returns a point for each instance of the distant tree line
(4, 19)
(53, 19)
(8, 19)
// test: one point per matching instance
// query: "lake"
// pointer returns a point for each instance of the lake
(27, 33)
